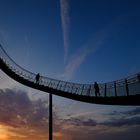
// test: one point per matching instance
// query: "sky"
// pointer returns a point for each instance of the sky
(73, 40)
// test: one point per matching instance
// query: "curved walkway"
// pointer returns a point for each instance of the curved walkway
(121, 92)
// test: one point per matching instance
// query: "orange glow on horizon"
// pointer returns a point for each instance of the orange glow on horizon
(3, 136)
(11, 133)
(57, 134)
(3, 133)
(22, 133)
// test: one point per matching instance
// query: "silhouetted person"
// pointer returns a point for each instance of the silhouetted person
(88, 91)
(97, 90)
(37, 78)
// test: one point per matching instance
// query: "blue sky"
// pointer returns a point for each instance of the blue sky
(99, 40)
(75, 40)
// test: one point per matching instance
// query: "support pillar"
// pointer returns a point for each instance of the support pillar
(50, 118)
(105, 90)
(115, 89)
(126, 86)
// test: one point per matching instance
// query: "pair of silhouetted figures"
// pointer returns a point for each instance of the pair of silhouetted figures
(96, 87)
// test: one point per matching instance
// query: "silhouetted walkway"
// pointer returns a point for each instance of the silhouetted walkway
(121, 92)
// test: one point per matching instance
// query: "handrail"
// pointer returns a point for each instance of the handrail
(123, 87)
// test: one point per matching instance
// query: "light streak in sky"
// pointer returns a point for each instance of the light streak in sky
(76, 60)
(65, 21)
(82, 53)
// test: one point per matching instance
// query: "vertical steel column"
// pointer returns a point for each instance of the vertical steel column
(50, 118)
(72, 88)
(126, 86)
(82, 90)
(139, 78)
(105, 90)
(115, 89)
(57, 84)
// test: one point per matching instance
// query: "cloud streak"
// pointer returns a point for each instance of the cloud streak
(75, 62)
(122, 122)
(91, 45)
(82, 53)
(135, 111)
(65, 21)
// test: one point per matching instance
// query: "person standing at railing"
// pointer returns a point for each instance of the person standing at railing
(88, 91)
(37, 78)
(97, 90)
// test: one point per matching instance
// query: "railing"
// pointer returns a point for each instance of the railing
(123, 87)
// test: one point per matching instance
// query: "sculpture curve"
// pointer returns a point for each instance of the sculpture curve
(120, 92)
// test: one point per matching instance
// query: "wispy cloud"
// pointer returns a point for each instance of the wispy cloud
(135, 111)
(82, 53)
(91, 45)
(122, 122)
(78, 58)
(75, 62)
(5, 81)
(27, 49)
(65, 21)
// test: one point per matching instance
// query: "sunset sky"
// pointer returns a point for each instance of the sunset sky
(74, 40)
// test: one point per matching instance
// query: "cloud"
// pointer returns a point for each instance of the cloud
(130, 118)
(135, 111)
(113, 122)
(65, 21)
(6, 81)
(74, 63)
(123, 118)
(82, 53)
(95, 42)
(18, 110)
(81, 114)
(22, 118)
(80, 122)
(78, 58)
(27, 49)
(122, 122)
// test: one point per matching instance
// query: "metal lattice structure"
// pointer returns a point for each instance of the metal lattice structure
(120, 92)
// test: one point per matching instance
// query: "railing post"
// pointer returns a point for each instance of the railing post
(60, 87)
(126, 87)
(50, 118)
(82, 89)
(139, 78)
(105, 90)
(115, 89)
(71, 88)
(65, 86)
(76, 90)
(49, 83)
(57, 84)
